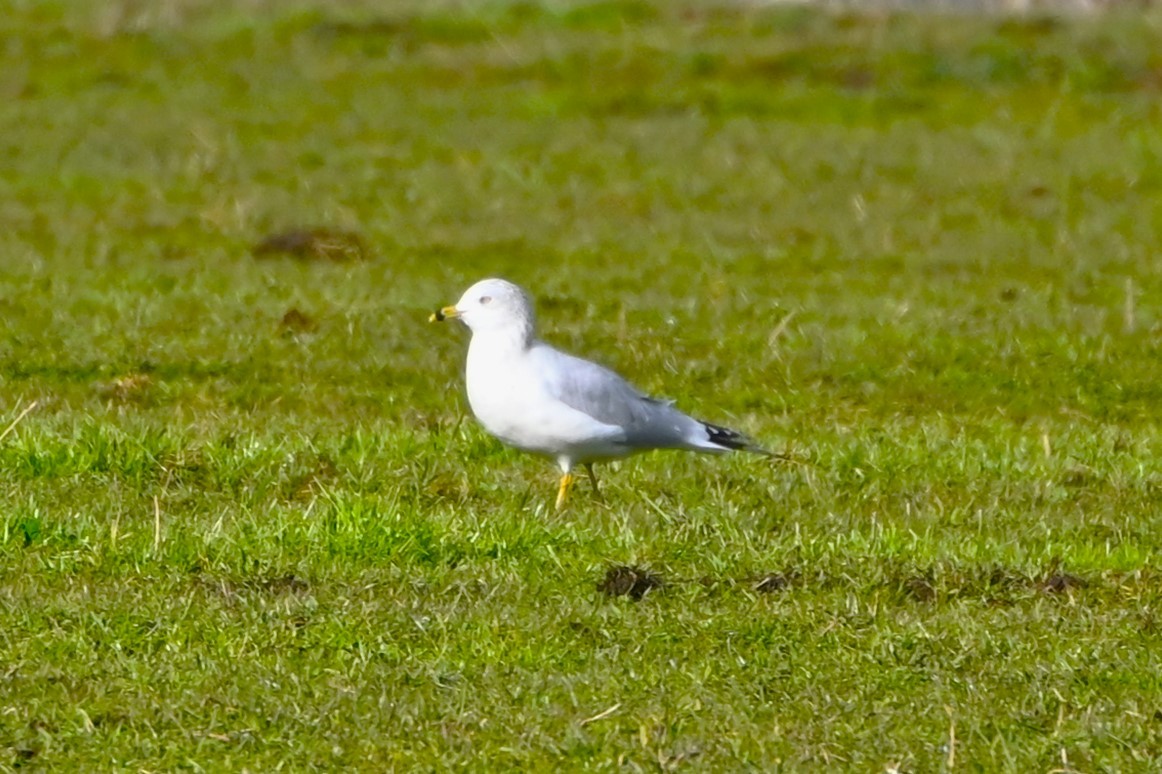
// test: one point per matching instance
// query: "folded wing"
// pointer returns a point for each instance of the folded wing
(600, 393)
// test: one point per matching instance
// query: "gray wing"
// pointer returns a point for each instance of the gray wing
(602, 394)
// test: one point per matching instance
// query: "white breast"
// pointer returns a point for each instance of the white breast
(494, 393)
(510, 399)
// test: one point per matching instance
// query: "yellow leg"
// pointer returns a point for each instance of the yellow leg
(563, 492)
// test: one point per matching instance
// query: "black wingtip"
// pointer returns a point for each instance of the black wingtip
(732, 439)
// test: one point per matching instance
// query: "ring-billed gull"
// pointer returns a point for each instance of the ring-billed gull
(542, 400)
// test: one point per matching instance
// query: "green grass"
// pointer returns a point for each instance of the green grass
(231, 544)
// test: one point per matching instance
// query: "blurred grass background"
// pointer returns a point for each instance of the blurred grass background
(249, 523)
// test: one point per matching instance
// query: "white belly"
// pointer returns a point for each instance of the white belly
(511, 402)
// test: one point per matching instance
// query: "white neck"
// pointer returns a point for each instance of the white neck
(512, 337)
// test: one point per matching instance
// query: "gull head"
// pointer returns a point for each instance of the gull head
(492, 306)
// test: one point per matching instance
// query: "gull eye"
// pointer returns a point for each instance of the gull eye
(485, 299)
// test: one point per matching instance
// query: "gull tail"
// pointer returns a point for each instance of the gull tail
(731, 440)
